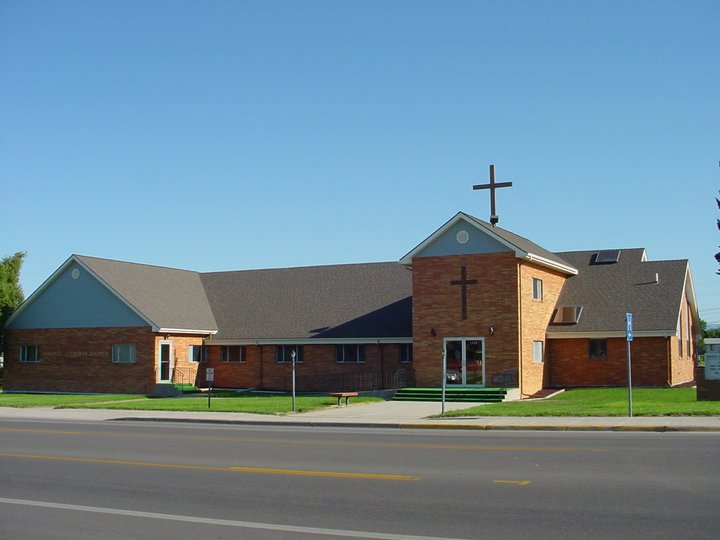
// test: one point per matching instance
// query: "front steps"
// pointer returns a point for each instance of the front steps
(465, 394)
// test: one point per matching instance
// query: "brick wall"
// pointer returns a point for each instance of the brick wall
(260, 369)
(570, 364)
(535, 316)
(80, 360)
(437, 311)
(185, 370)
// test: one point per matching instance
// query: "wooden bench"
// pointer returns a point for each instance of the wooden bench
(346, 395)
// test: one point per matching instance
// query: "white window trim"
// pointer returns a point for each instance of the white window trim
(225, 360)
(537, 292)
(203, 354)
(538, 346)
(119, 350)
(24, 354)
(357, 352)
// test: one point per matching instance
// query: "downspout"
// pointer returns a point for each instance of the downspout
(382, 365)
(262, 371)
(520, 326)
(669, 360)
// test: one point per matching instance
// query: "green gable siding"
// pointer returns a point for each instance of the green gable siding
(80, 302)
(447, 243)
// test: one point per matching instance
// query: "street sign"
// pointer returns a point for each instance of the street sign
(628, 326)
(210, 374)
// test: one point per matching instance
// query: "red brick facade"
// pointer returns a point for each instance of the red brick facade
(654, 363)
(502, 299)
(259, 368)
(80, 360)
(437, 313)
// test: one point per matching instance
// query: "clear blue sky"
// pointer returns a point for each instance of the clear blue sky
(222, 135)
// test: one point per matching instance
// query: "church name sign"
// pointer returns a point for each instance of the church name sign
(79, 355)
(712, 366)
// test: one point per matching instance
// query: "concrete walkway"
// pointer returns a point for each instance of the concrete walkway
(387, 414)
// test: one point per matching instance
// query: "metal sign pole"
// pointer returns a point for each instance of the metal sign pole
(292, 355)
(444, 378)
(629, 338)
(210, 379)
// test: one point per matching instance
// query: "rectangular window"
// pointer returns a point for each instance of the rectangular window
(537, 289)
(124, 353)
(30, 353)
(283, 354)
(349, 354)
(197, 354)
(231, 353)
(598, 349)
(537, 352)
(406, 355)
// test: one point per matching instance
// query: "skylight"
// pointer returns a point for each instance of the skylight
(607, 256)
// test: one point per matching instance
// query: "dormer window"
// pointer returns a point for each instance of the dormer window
(537, 289)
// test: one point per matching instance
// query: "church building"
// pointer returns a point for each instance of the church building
(500, 310)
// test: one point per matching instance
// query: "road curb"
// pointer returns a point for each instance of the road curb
(416, 425)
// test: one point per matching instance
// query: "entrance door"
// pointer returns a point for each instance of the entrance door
(165, 362)
(465, 361)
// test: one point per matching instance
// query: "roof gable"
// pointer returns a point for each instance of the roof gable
(486, 239)
(172, 300)
(74, 298)
(607, 291)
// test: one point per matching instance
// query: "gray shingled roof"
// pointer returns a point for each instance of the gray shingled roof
(521, 243)
(371, 300)
(169, 298)
(608, 291)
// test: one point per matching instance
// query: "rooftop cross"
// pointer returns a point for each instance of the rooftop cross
(492, 186)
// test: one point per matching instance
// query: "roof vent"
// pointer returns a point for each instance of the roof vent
(567, 315)
(606, 256)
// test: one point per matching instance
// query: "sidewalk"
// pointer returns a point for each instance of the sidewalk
(387, 414)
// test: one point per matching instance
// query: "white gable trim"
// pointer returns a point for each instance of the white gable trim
(117, 295)
(460, 216)
(310, 341)
(519, 253)
(49, 281)
(185, 331)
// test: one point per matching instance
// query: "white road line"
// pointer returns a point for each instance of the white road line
(221, 522)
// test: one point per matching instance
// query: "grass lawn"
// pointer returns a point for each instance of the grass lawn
(57, 400)
(244, 403)
(604, 402)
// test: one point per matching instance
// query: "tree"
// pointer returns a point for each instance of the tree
(11, 294)
(717, 255)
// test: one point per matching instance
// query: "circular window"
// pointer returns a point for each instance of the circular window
(75, 273)
(462, 237)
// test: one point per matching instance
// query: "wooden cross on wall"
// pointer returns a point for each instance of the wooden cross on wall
(463, 282)
(492, 186)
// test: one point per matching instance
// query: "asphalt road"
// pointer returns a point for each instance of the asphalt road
(88, 480)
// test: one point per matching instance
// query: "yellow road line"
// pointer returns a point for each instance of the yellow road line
(516, 482)
(53, 431)
(355, 444)
(257, 470)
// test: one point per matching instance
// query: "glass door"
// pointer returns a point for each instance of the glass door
(165, 361)
(465, 358)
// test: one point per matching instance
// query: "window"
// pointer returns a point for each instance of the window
(598, 349)
(231, 353)
(283, 354)
(406, 353)
(349, 354)
(124, 353)
(537, 352)
(537, 289)
(30, 353)
(197, 354)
